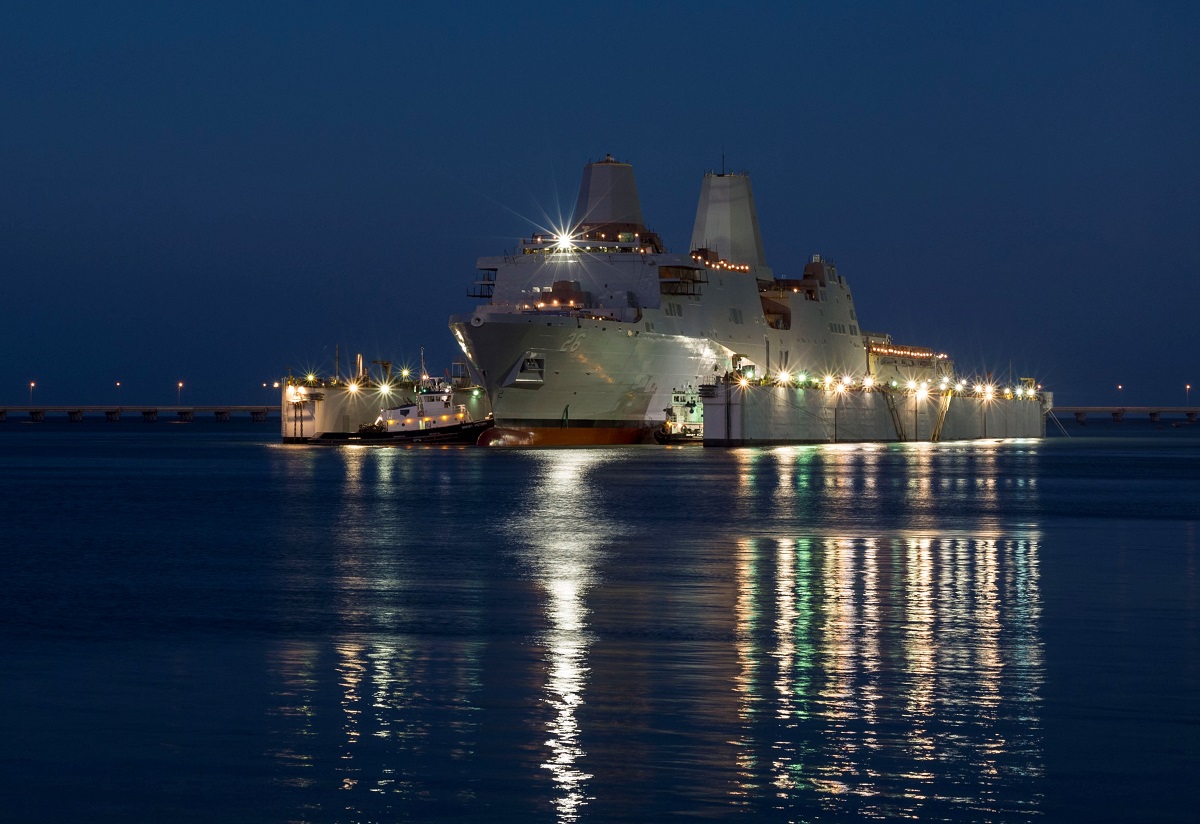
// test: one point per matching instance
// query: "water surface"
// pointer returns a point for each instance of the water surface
(201, 623)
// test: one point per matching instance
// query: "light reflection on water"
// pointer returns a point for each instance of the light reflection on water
(560, 540)
(886, 655)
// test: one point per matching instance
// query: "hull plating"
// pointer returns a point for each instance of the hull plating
(598, 382)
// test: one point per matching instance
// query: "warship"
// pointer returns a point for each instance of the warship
(588, 334)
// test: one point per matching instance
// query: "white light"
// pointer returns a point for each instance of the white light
(847, 380)
(912, 384)
(958, 387)
(563, 242)
(784, 377)
(868, 381)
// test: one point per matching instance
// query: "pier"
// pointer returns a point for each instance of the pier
(149, 413)
(1118, 413)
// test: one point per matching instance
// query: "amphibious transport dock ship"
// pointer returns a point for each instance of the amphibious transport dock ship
(587, 334)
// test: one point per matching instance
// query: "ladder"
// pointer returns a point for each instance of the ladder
(943, 408)
(891, 402)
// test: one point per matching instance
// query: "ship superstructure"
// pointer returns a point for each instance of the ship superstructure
(586, 332)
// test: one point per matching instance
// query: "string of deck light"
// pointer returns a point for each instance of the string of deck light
(848, 383)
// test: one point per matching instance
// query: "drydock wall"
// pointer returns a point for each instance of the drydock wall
(740, 416)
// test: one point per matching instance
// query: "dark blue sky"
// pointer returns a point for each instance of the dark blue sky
(215, 193)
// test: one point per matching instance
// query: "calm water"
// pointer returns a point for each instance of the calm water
(200, 624)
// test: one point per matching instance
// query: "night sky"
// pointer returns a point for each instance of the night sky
(217, 193)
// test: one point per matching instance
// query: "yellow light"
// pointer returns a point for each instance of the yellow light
(384, 388)
(445, 417)
(404, 373)
(868, 381)
(353, 387)
(743, 383)
(408, 420)
(310, 377)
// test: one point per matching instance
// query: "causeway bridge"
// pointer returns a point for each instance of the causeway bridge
(149, 414)
(1119, 413)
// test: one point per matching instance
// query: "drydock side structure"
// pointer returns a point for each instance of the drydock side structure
(589, 331)
(747, 415)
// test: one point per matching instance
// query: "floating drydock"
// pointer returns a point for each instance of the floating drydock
(738, 413)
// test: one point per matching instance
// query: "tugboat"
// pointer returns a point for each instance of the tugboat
(685, 418)
(430, 417)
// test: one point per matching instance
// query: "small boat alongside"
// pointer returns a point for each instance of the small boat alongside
(684, 418)
(431, 416)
